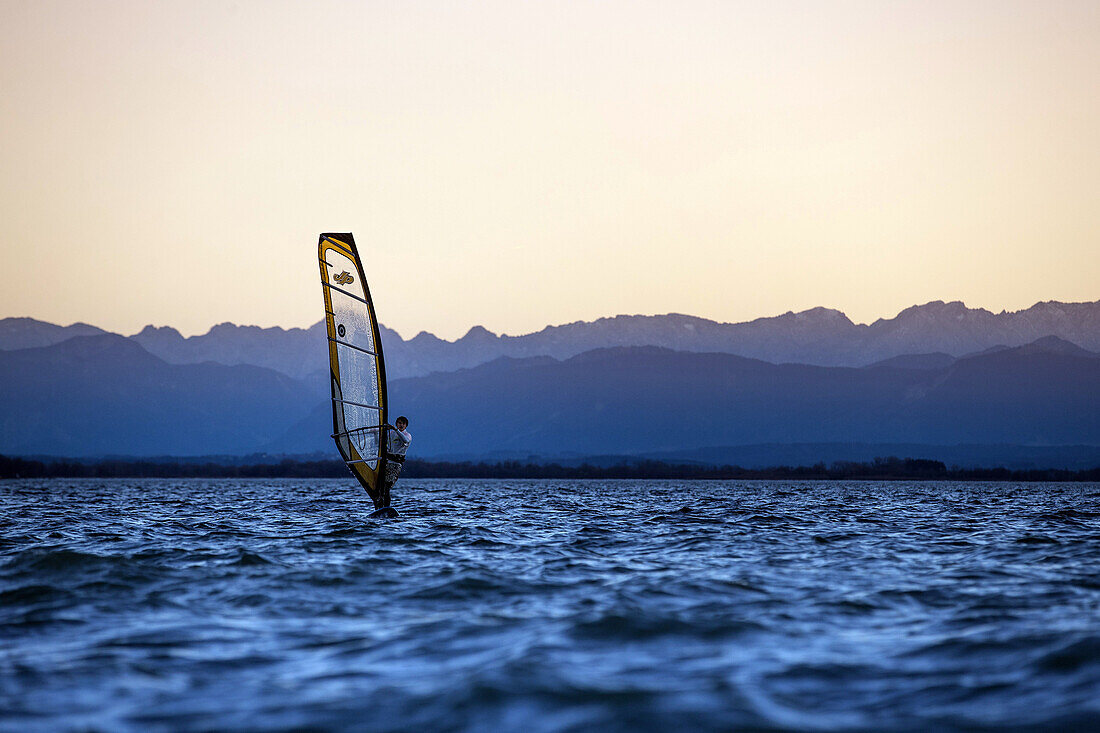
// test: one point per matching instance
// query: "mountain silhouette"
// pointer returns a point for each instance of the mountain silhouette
(105, 394)
(27, 333)
(632, 400)
(819, 336)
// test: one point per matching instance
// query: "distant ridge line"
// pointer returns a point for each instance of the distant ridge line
(480, 330)
(107, 394)
(928, 334)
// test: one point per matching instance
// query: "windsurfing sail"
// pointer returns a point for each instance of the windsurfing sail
(358, 371)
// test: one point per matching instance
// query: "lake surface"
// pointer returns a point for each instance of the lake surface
(549, 605)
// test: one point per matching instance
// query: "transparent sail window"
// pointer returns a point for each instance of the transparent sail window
(351, 321)
(358, 377)
(365, 441)
(363, 431)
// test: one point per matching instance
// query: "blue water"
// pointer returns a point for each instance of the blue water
(549, 605)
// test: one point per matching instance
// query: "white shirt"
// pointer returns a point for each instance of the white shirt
(397, 441)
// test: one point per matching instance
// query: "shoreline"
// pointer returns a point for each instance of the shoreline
(884, 469)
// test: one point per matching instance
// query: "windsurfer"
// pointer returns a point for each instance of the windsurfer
(397, 442)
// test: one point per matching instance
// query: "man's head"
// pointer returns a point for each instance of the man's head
(401, 423)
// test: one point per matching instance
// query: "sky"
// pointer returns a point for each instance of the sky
(518, 164)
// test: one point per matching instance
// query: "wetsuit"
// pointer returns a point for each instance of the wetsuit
(397, 442)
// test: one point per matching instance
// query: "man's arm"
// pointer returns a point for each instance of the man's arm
(403, 435)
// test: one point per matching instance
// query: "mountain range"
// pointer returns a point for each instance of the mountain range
(107, 395)
(649, 400)
(936, 332)
(974, 388)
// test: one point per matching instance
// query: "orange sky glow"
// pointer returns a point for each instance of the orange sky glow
(515, 165)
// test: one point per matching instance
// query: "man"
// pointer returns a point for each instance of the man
(397, 442)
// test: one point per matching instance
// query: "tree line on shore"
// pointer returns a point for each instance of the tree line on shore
(891, 468)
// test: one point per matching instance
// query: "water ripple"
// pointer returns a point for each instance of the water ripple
(549, 606)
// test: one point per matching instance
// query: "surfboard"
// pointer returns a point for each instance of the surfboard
(356, 365)
(386, 512)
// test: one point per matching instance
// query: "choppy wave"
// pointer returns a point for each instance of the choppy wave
(549, 606)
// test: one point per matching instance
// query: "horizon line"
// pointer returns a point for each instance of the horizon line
(476, 327)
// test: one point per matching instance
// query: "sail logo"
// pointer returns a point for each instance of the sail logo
(343, 278)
